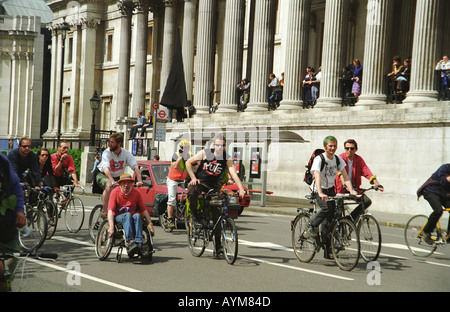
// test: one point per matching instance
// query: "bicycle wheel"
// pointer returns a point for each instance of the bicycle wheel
(95, 221)
(196, 238)
(103, 243)
(413, 237)
(229, 240)
(33, 235)
(370, 237)
(304, 248)
(74, 214)
(147, 244)
(345, 245)
(50, 210)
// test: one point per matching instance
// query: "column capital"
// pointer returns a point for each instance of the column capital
(89, 23)
(142, 6)
(126, 7)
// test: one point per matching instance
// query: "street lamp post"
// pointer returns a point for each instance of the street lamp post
(95, 103)
(61, 30)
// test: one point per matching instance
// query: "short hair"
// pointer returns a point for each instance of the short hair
(61, 142)
(219, 137)
(118, 137)
(39, 152)
(351, 141)
(24, 139)
(329, 138)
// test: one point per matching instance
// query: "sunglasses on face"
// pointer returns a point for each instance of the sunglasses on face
(46, 155)
(349, 148)
(26, 146)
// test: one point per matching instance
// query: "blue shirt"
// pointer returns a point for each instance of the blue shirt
(443, 188)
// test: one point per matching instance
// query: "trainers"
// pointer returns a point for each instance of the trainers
(311, 231)
(427, 238)
(171, 223)
(132, 249)
(218, 254)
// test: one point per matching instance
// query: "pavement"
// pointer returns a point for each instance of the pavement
(284, 208)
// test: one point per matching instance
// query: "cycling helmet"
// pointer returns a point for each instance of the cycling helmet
(184, 143)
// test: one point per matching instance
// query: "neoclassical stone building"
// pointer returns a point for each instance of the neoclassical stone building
(123, 50)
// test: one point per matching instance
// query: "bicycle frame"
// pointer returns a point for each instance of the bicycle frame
(442, 239)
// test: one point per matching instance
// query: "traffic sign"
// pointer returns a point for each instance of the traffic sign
(155, 105)
(162, 115)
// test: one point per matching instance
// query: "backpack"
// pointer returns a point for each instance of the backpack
(160, 203)
(308, 178)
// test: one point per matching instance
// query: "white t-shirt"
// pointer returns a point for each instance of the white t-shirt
(328, 174)
(117, 163)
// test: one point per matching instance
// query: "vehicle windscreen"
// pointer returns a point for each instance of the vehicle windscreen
(160, 173)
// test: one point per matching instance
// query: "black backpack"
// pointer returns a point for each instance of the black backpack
(308, 178)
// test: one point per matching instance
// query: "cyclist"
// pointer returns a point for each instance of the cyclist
(356, 167)
(324, 184)
(64, 165)
(23, 159)
(214, 164)
(177, 173)
(124, 204)
(112, 166)
(11, 212)
(436, 190)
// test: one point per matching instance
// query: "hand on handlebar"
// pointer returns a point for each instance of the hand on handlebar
(194, 181)
(323, 197)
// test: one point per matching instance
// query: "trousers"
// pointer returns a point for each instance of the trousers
(132, 225)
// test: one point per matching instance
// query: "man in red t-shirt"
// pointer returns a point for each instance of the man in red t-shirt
(124, 205)
(62, 160)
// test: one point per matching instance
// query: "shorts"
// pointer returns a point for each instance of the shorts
(172, 188)
(101, 179)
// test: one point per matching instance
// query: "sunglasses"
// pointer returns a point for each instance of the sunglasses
(46, 155)
(349, 148)
(26, 146)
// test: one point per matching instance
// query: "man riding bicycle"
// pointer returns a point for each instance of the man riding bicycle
(114, 160)
(177, 173)
(124, 206)
(214, 164)
(11, 212)
(324, 183)
(356, 167)
(436, 191)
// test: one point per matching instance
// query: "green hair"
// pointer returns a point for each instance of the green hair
(329, 138)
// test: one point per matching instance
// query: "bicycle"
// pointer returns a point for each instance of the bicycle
(9, 265)
(415, 240)
(73, 208)
(179, 212)
(40, 198)
(368, 230)
(200, 236)
(95, 220)
(345, 244)
(33, 234)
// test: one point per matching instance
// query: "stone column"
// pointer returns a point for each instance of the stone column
(233, 47)
(87, 75)
(157, 11)
(51, 131)
(424, 53)
(332, 53)
(170, 31)
(123, 80)
(188, 44)
(262, 57)
(75, 79)
(296, 52)
(140, 64)
(375, 52)
(204, 64)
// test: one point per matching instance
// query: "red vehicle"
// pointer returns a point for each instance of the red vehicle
(154, 175)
